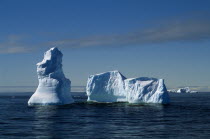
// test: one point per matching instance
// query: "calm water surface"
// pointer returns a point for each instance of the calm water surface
(188, 116)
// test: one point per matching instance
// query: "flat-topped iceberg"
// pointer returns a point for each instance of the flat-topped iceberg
(106, 87)
(53, 88)
(114, 87)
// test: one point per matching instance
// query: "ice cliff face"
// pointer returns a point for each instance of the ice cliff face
(53, 88)
(114, 87)
(106, 87)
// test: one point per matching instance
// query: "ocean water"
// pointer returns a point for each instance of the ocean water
(188, 116)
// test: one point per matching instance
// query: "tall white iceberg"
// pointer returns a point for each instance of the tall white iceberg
(53, 88)
(106, 87)
(114, 87)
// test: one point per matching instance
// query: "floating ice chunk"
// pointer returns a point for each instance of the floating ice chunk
(53, 88)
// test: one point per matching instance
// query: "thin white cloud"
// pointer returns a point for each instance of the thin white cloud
(192, 30)
(185, 30)
(14, 44)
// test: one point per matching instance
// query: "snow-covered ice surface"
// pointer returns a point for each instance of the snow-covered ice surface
(53, 88)
(106, 87)
(114, 87)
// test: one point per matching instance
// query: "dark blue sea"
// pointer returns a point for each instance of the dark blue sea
(188, 116)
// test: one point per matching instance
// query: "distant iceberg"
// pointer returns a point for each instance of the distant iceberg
(185, 90)
(114, 87)
(53, 88)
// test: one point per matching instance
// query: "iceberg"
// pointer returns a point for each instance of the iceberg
(53, 88)
(112, 86)
(185, 90)
(106, 87)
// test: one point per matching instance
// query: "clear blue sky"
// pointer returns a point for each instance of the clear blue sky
(156, 38)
